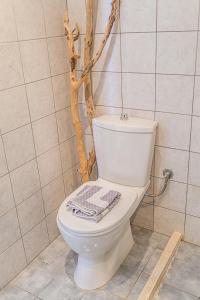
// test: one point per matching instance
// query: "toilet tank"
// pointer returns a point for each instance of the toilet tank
(124, 149)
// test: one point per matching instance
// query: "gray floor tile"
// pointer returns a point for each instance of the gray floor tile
(137, 288)
(187, 250)
(153, 261)
(15, 293)
(170, 293)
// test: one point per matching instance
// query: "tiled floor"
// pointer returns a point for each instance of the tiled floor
(50, 276)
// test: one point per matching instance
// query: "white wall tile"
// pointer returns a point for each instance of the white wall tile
(8, 29)
(174, 197)
(176, 52)
(57, 55)
(198, 57)
(7, 200)
(40, 237)
(12, 261)
(144, 216)
(193, 201)
(30, 212)
(35, 59)
(173, 130)
(178, 15)
(54, 14)
(195, 137)
(45, 134)
(174, 93)
(40, 98)
(177, 160)
(29, 19)
(14, 109)
(167, 221)
(138, 16)
(138, 91)
(61, 90)
(19, 146)
(53, 194)
(110, 58)
(77, 14)
(9, 229)
(138, 52)
(107, 110)
(144, 114)
(25, 181)
(192, 230)
(71, 180)
(69, 156)
(65, 126)
(103, 94)
(10, 66)
(52, 226)
(52, 160)
(196, 104)
(101, 15)
(3, 164)
(194, 169)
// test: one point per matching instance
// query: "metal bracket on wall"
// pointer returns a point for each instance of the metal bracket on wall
(167, 175)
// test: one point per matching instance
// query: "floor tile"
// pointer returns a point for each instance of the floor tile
(137, 288)
(170, 293)
(15, 293)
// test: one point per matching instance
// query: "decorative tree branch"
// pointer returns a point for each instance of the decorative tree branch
(72, 36)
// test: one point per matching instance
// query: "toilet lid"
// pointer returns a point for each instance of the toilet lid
(127, 204)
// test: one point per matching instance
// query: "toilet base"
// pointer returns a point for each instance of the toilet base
(92, 273)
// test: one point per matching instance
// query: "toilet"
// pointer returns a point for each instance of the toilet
(124, 150)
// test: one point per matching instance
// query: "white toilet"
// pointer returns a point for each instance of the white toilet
(124, 150)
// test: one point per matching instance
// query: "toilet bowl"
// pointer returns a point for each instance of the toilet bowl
(124, 151)
(102, 246)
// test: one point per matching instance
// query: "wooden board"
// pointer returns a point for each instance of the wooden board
(161, 267)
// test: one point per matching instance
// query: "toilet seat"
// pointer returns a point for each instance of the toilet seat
(127, 204)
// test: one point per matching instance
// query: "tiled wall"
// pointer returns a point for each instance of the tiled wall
(151, 69)
(37, 160)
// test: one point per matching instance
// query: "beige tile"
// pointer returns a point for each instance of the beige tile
(69, 156)
(177, 160)
(193, 201)
(110, 58)
(144, 45)
(194, 169)
(144, 216)
(77, 13)
(52, 225)
(138, 16)
(10, 66)
(54, 13)
(45, 134)
(12, 262)
(57, 55)
(65, 126)
(195, 138)
(173, 130)
(173, 198)
(40, 98)
(167, 221)
(19, 146)
(30, 212)
(138, 91)
(53, 194)
(61, 90)
(35, 241)
(103, 94)
(7, 200)
(102, 12)
(14, 109)
(25, 181)
(8, 32)
(178, 15)
(49, 165)
(35, 60)
(71, 180)
(9, 229)
(192, 230)
(3, 164)
(29, 19)
(176, 52)
(174, 93)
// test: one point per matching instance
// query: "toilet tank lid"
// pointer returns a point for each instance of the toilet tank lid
(113, 122)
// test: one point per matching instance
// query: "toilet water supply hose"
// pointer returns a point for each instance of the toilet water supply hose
(167, 175)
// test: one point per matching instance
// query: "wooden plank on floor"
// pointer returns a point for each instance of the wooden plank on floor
(161, 267)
